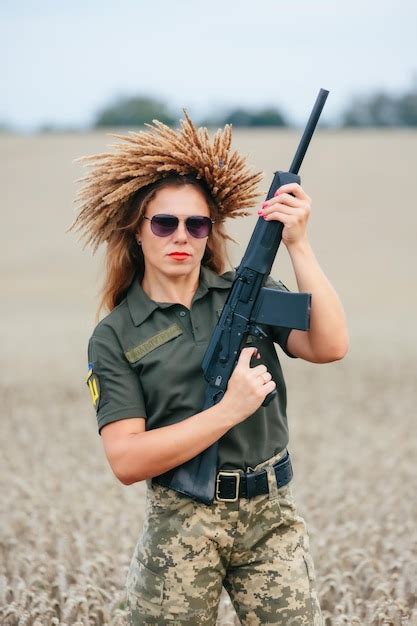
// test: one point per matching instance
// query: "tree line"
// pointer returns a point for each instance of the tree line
(138, 110)
(379, 109)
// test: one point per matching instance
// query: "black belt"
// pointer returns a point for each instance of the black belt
(231, 485)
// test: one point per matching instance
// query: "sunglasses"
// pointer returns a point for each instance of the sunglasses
(164, 225)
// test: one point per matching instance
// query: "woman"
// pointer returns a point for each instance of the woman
(160, 202)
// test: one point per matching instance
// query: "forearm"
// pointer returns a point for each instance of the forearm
(156, 451)
(328, 335)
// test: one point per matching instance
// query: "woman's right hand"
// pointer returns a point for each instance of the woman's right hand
(247, 388)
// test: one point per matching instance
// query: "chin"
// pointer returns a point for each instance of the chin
(180, 269)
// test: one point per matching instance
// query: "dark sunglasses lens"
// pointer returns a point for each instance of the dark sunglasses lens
(199, 227)
(164, 225)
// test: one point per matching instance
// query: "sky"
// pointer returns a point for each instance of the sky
(62, 62)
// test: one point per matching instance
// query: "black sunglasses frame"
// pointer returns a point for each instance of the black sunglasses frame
(203, 218)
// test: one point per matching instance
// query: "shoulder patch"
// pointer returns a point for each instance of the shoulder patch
(94, 387)
(141, 350)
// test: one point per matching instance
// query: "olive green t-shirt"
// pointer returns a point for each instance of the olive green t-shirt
(145, 361)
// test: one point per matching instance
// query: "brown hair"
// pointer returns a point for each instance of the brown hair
(124, 260)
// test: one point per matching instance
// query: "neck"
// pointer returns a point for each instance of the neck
(178, 289)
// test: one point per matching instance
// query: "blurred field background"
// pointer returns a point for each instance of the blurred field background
(68, 528)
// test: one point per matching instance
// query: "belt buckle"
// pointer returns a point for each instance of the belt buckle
(228, 473)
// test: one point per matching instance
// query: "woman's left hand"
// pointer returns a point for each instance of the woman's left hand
(292, 210)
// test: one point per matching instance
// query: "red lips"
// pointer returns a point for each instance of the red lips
(179, 255)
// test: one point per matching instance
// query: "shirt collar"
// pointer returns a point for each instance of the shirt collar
(141, 306)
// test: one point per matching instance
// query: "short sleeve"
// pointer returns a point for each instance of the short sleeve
(114, 386)
(279, 334)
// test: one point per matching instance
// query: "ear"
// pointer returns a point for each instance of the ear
(138, 234)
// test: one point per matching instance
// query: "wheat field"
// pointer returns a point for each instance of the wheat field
(68, 528)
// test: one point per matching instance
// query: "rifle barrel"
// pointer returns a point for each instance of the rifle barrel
(309, 130)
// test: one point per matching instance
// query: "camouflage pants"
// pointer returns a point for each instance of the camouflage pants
(257, 549)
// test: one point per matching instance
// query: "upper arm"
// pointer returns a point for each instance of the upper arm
(115, 387)
(117, 396)
(115, 437)
(298, 344)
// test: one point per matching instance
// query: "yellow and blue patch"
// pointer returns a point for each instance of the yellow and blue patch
(93, 385)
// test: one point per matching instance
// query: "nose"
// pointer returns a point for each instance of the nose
(180, 233)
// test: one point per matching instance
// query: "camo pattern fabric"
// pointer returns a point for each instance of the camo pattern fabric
(257, 549)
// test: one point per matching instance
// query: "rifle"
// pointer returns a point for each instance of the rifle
(248, 304)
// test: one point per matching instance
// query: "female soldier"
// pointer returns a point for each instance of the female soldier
(160, 201)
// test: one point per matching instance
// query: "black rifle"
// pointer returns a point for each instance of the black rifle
(249, 303)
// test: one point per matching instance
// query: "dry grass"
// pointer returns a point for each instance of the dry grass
(68, 528)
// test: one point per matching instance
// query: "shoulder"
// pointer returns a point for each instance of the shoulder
(114, 323)
(272, 283)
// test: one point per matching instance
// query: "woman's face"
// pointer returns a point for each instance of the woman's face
(158, 251)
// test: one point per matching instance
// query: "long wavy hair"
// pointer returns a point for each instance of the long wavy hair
(124, 259)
